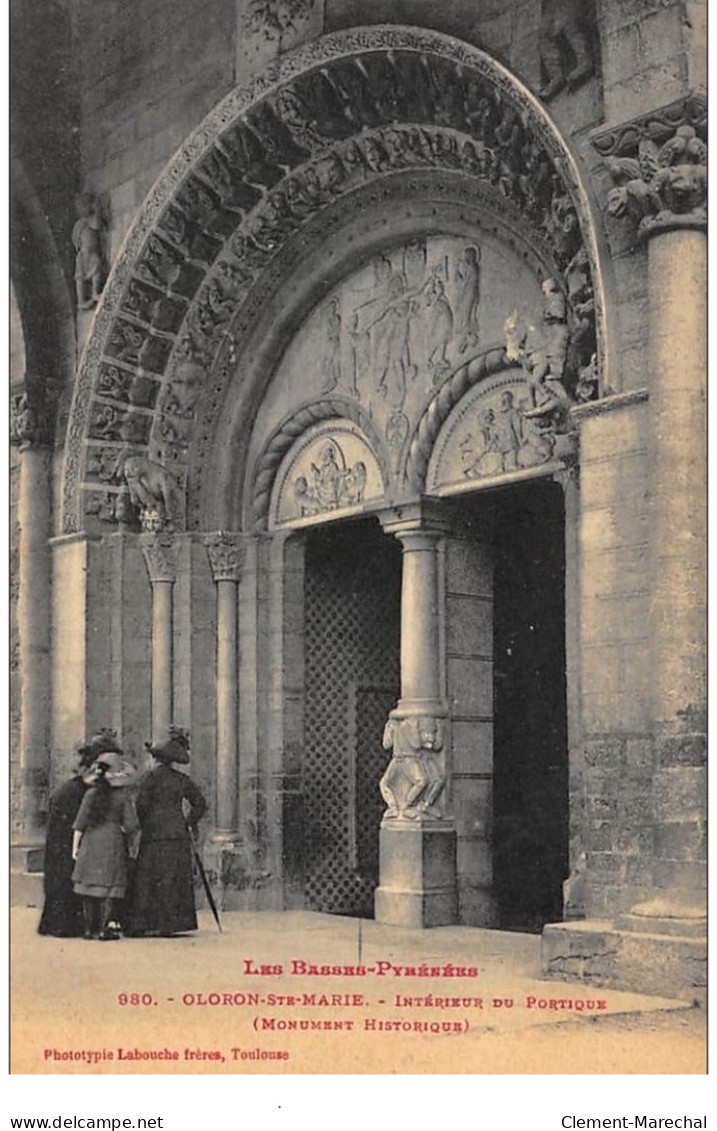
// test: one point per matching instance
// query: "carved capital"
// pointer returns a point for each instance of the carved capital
(658, 164)
(161, 556)
(427, 519)
(30, 422)
(226, 554)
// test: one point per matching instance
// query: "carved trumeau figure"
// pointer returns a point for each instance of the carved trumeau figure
(565, 48)
(87, 242)
(413, 781)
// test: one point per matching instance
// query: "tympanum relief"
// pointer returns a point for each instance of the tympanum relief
(392, 332)
(331, 469)
(494, 430)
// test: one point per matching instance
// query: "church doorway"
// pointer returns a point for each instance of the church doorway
(530, 751)
(352, 681)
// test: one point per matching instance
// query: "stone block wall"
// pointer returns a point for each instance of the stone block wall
(469, 678)
(613, 786)
(147, 75)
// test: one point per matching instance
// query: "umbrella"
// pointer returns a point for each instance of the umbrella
(203, 876)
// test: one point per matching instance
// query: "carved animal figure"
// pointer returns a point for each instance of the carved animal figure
(153, 490)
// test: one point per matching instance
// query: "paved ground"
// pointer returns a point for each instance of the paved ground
(197, 1004)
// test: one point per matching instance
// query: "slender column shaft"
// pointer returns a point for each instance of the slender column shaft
(34, 634)
(162, 655)
(227, 700)
(226, 558)
(420, 625)
(676, 273)
(160, 555)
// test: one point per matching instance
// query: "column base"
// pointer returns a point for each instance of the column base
(225, 863)
(418, 875)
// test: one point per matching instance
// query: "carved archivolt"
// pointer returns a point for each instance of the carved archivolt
(225, 224)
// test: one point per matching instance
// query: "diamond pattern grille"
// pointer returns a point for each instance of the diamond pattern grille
(352, 682)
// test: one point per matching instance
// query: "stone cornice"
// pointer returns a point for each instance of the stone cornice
(608, 404)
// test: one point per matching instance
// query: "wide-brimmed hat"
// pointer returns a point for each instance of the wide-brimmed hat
(117, 770)
(103, 742)
(173, 748)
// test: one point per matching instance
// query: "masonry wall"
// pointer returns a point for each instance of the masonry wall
(613, 788)
(469, 677)
(147, 73)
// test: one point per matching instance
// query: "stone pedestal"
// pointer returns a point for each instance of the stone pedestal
(418, 875)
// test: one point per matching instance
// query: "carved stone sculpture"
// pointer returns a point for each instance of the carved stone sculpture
(153, 491)
(413, 781)
(565, 49)
(542, 351)
(330, 484)
(26, 424)
(662, 186)
(87, 242)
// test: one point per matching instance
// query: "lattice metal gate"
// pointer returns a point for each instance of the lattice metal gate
(352, 682)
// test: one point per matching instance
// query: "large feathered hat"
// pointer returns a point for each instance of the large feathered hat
(173, 748)
(103, 742)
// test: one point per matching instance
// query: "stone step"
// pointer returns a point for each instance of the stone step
(598, 953)
(25, 888)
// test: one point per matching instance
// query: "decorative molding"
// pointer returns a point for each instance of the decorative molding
(161, 556)
(609, 404)
(344, 110)
(226, 553)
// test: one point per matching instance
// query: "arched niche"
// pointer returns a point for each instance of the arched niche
(330, 472)
(349, 145)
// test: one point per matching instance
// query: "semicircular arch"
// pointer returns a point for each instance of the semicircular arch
(184, 340)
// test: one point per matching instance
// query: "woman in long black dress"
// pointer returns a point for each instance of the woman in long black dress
(62, 910)
(168, 805)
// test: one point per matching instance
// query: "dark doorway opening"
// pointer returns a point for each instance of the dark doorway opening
(530, 800)
(352, 681)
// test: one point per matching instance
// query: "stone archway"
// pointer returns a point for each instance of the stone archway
(230, 248)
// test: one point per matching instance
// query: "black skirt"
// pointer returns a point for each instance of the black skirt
(161, 899)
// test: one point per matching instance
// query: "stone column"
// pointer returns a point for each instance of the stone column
(33, 626)
(161, 554)
(224, 853)
(669, 203)
(417, 885)
(226, 557)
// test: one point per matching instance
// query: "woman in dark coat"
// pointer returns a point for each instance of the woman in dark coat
(105, 832)
(168, 805)
(62, 911)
